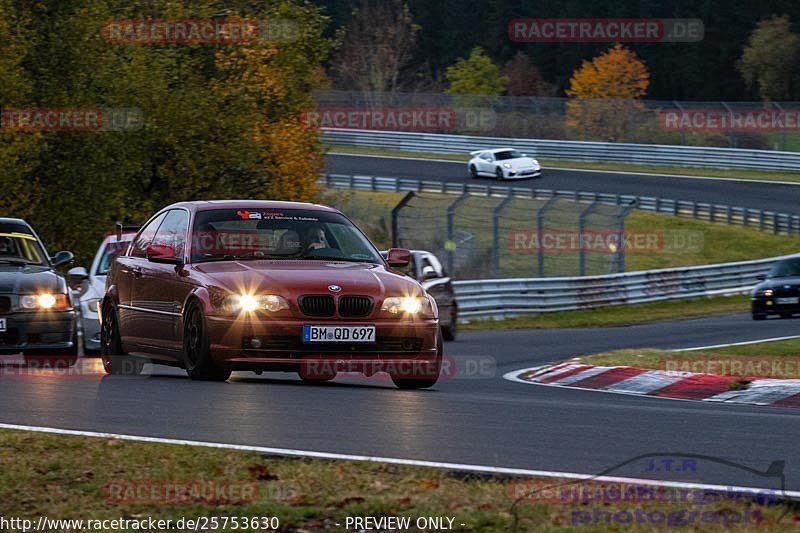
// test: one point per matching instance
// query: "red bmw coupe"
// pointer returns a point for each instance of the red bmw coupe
(266, 286)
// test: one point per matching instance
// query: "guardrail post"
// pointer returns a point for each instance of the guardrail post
(396, 213)
(621, 238)
(581, 228)
(761, 221)
(450, 245)
(540, 231)
(496, 231)
(775, 223)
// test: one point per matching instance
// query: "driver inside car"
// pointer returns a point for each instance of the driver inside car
(315, 239)
(7, 247)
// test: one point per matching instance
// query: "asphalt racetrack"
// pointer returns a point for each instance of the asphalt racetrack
(476, 419)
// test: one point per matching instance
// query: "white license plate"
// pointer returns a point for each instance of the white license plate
(2, 324)
(338, 333)
(787, 301)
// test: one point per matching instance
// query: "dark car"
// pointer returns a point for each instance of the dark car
(779, 293)
(428, 270)
(36, 313)
(278, 286)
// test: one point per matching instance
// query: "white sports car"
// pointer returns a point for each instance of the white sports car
(503, 163)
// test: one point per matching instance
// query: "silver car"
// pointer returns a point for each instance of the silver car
(502, 164)
(90, 287)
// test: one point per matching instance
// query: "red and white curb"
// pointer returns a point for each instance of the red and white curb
(662, 384)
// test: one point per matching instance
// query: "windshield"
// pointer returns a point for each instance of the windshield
(20, 247)
(508, 154)
(110, 252)
(258, 233)
(785, 269)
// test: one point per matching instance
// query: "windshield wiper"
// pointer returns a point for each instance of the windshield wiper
(333, 258)
(14, 261)
(238, 257)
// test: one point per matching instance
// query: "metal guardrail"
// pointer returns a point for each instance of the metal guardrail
(770, 221)
(646, 154)
(502, 298)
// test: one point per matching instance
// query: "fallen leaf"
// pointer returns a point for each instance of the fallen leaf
(428, 484)
(261, 472)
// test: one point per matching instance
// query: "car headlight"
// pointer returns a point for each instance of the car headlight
(93, 304)
(249, 303)
(768, 292)
(45, 300)
(506, 165)
(408, 305)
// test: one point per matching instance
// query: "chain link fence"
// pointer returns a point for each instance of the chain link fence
(751, 125)
(486, 237)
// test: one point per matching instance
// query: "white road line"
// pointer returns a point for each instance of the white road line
(772, 339)
(391, 460)
(594, 171)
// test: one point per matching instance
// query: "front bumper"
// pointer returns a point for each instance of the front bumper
(763, 305)
(90, 323)
(38, 330)
(281, 346)
(522, 173)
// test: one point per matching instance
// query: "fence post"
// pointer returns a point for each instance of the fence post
(540, 230)
(581, 228)
(621, 237)
(451, 211)
(496, 231)
(396, 213)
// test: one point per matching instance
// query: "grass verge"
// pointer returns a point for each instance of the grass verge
(615, 167)
(761, 359)
(623, 315)
(67, 477)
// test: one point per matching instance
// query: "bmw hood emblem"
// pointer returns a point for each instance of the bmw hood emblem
(334, 288)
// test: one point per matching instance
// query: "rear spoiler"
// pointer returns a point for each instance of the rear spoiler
(125, 228)
(476, 152)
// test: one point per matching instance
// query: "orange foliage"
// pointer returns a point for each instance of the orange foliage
(293, 161)
(604, 94)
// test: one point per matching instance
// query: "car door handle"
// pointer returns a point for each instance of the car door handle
(137, 271)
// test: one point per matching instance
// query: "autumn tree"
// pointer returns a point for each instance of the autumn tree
(524, 78)
(377, 45)
(770, 60)
(19, 151)
(476, 75)
(604, 95)
(218, 120)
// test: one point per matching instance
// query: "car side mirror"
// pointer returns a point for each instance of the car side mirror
(76, 276)
(429, 272)
(62, 258)
(161, 253)
(761, 277)
(398, 257)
